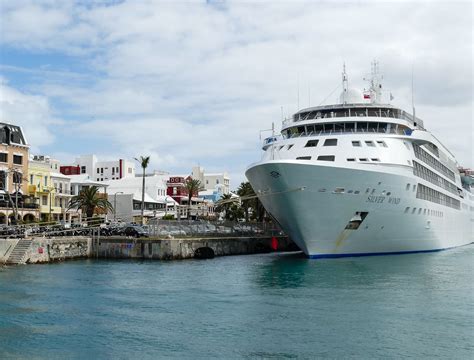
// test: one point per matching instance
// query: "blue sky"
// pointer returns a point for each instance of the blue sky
(194, 82)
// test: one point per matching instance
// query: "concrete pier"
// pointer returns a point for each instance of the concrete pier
(170, 249)
(45, 250)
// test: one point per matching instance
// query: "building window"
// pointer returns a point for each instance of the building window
(217, 181)
(32, 178)
(18, 159)
(356, 143)
(312, 143)
(44, 200)
(3, 180)
(45, 181)
(3, 157)
(330, 142)
(326, 157)
(17, 178)
(83, 169)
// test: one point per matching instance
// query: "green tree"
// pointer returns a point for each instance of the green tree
(89, 200)
(248, 197)
(144, 161)
(192, 187)
(224, 204)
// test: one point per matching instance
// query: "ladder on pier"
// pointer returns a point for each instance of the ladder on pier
(18, 253)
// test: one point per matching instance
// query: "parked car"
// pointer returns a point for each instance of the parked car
(135, 231)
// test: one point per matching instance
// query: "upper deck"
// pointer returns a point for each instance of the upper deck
(340, 111)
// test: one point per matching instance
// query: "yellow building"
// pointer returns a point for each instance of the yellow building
(51, 189)
(14, 152)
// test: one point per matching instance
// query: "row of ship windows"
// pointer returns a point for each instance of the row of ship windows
(333, 142)
(333, 158)
(430, 160)
(428, 212)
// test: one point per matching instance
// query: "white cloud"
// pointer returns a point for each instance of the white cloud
(189, 82)
(32, 112)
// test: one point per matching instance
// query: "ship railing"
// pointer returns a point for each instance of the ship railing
(403, 115)
(353, 131)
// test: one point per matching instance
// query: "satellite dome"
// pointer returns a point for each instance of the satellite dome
(351, 96)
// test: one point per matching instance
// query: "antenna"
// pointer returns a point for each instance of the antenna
(298, 84)
(412, 92)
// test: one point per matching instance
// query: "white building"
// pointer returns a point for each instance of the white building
(126, 195)
(105, 170)
(210, 181)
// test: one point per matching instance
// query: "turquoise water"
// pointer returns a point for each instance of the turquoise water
(261, 306)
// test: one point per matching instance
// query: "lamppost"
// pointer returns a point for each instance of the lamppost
(115, 204)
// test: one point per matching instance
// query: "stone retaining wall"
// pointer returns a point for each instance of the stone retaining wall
(123, 248)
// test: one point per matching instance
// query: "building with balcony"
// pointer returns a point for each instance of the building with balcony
(100, 170)
(210, 181)
(14, 152)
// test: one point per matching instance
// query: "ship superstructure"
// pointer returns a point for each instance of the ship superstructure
(363, 177)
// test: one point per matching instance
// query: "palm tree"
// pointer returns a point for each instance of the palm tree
(192, 186)
(247, 194)
(224, 205)
(89, 200)
(144, 161)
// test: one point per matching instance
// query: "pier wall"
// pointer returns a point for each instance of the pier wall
(44, 250)
(169, 249)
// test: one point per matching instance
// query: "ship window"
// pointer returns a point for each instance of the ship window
(326, 157)
(322, 190)
(349, 127)
(424, 212)
(389, 193)
(413, 211)
(408, 187)
(357, 192)
(375, 159)
(303, 158)
(362, 126)
(407, 209)
(367, 190)
(373, 191)
(363, 159)
(373, 126)
(356, 143)
(330, 142)
(419, 211)
(318, 128)
(339, 127)
(328, 127)
(310, 129)
(370, 143)
(414, 187)
(351, 159)
(382, 143)
(407, 146)
(312, 143)
(382, 127)
(281, 147)
(290, 146)
(338, 191)
(350, 191)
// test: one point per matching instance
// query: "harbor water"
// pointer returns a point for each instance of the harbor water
(270, 306)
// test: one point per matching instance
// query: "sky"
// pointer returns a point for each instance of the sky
(194, 82)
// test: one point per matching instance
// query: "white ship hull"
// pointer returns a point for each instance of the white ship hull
(308, 202)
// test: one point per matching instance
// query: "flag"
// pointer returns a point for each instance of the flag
(366, 96)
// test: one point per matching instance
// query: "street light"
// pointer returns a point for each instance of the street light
(115, 204)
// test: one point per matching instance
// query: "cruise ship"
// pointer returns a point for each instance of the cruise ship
(363, 177)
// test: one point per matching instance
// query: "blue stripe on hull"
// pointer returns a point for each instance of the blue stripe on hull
(333, 256)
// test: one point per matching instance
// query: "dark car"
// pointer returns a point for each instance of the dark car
(135, 231)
